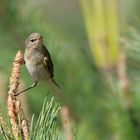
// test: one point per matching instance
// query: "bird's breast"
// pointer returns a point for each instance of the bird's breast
(35, 65)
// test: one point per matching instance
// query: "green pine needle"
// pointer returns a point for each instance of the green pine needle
(46, 127)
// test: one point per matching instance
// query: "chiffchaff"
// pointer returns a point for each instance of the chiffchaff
(38, 60)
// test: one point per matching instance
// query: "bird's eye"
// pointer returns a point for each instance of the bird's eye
(32, 40)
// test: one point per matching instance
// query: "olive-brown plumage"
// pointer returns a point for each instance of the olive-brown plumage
(38, 60)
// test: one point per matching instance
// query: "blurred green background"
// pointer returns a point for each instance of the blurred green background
(94, 46)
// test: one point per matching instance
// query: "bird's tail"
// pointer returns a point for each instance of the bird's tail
(56, 83)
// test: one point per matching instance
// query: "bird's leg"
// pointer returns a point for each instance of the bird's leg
(23, 61)
(32, 86)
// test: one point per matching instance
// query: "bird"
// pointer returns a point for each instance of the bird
(38, 61)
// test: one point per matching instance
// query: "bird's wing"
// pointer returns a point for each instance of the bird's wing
(48, 62)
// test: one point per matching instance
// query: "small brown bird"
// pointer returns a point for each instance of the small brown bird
(38, 60)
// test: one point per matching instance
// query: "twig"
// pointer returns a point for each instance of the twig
(66, 122)
(124, 82)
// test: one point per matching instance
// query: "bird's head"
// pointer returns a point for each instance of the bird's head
(34, 41)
